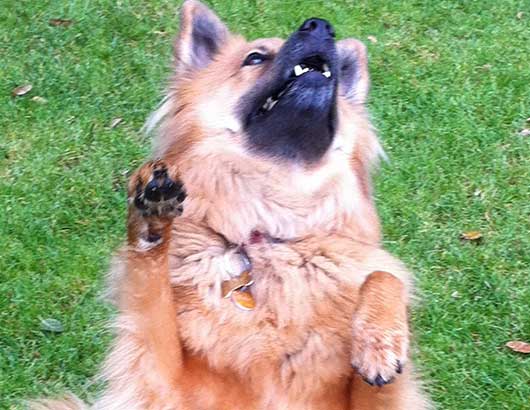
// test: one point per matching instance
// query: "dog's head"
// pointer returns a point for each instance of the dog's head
(270, 134)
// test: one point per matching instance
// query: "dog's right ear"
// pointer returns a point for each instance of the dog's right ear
(201, 36)
(354, 80)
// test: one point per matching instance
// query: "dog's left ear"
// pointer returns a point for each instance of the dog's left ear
(354, 80)
(201, 36)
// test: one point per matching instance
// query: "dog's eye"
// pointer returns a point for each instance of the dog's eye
(255, 59)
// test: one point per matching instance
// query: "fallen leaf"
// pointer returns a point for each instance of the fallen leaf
(518, 346)
(455, 294)
(525, 132)
(40, 100)
(473, 236)
(519, 15)
(60, 22)
(372, 39)
(486, 67)
(21, 90)
(115, 122)
(51, 325)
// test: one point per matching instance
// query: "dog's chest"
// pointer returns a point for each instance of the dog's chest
(299, 331)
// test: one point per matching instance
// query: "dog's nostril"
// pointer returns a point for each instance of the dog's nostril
(330, 30)
(318, 27)
(308, 25)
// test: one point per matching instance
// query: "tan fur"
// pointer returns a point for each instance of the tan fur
(327, 296)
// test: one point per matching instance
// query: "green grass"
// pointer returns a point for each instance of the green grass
(451, 84)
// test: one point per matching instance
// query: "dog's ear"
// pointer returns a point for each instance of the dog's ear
(201, 36)
(354, 80)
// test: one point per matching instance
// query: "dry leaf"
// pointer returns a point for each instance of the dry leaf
(40, 100)
(519, 15)
(486, 67)
(372, 39)
(518, 346)
(525, 132)
(115, 122)
(473, 236)
(455, 294)
(60, 22)
(21, 90)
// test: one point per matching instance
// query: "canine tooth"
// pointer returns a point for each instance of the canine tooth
(298, 70)
(272, 104)
(326, 74)
(306, 70)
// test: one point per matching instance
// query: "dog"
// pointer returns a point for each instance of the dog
(253, 276)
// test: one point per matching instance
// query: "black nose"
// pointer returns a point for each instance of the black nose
(318, 27)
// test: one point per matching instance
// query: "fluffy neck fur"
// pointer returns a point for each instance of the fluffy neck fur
(234, 192)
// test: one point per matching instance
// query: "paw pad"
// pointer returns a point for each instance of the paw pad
(157, 193)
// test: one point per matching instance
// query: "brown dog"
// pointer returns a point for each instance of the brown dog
(271, 290)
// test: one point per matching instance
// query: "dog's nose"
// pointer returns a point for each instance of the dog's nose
(318, 27)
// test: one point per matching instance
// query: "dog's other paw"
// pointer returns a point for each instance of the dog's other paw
(380, 330)
(378, 355)
(155, 190)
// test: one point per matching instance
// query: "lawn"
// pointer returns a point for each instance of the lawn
(450, 95)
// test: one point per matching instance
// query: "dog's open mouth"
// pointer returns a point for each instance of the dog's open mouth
(311, 64)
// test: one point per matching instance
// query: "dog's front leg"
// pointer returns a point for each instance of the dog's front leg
(380, 345)
(143, 368)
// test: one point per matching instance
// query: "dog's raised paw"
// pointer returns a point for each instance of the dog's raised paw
(155, 190)
(378, 355)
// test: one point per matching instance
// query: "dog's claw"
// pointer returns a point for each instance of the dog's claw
(379, 381)
(399, 367)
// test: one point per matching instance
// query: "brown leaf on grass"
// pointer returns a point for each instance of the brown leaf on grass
(21, 90)
(39, 99)
(472, 236)
(519, 15)
(372, 39)
(518, 346)
(60, 22)
(525, 132)
(115, 122)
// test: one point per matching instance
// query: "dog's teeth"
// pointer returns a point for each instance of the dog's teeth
(326, 74)
(272, 104)
(269, 104)
(298, 70)
(306, 70)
